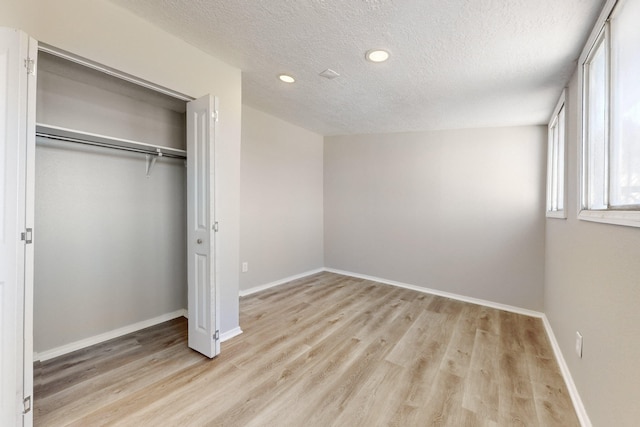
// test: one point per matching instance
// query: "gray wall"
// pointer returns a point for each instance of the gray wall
(110, 244)
(281, 232)
(458, 211)
(593, 286)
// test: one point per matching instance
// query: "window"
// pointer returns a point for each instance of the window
(611, 120)
(555, 163)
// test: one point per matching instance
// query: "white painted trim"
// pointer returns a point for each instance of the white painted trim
(555, 120)
(595, 31)
(96, 339)
(568, 379)
(561, 102)
(279, 282)
(230, 334)
(458, 297)
(628, 218)
(557, 214)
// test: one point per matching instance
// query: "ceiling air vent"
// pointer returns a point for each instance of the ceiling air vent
(329, 74)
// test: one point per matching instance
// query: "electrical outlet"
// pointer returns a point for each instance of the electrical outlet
(579, 344)
(245, 267)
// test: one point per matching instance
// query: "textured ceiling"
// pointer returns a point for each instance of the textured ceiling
(454, 64)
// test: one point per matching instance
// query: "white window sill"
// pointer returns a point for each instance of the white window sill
(628, 218)
(557, 214)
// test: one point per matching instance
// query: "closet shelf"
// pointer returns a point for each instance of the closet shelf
(71, 135)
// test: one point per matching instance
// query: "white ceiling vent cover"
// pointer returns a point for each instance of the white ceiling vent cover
(329, 74)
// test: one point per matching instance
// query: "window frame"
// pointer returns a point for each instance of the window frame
(556, 180)
(629, 215)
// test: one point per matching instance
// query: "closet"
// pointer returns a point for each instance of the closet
(110, 207)
(111, 247)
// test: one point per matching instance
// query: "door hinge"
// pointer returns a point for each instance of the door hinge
(30, 65)
(215, 115)
(215, 226)
(26, 405)
(27, 236)
(216, 336)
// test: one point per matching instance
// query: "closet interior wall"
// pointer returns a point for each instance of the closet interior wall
(110, 242)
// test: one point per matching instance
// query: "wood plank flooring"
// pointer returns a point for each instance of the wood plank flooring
(326, 350)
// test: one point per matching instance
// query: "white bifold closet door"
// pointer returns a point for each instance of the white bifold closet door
(17, 145)
(201, 225)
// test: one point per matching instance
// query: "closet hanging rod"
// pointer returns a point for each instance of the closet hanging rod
(63, 134)
(101, 144)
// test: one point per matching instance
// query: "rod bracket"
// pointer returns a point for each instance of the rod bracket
(151, 160)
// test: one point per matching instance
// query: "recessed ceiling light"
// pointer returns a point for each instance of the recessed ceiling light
(286, 78)
(377, 55)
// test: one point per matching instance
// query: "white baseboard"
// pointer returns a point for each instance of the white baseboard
(279, 282)
(96, 339)
(568, 379)
(230, 334)
(458, 297)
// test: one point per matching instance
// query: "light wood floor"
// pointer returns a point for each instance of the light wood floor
(326, 350)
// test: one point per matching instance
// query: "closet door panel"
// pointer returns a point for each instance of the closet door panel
(203, 333)
(17, 129)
